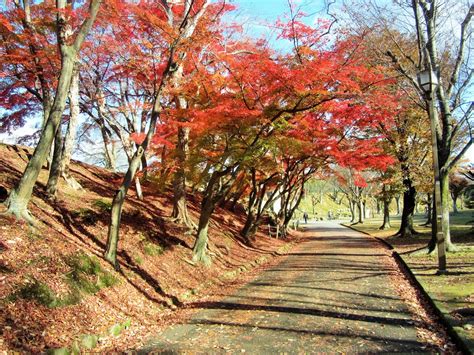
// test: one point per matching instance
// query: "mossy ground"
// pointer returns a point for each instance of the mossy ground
(85, 277)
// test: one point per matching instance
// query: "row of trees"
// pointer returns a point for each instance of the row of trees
(193, 103)
(375, 194)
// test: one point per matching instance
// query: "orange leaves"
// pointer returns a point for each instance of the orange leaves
(5, 25)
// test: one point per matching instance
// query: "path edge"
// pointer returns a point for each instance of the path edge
(460, 343)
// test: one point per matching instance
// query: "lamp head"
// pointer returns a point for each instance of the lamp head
(428, 80)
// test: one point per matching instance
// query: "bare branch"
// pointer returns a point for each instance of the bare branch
(454, 76)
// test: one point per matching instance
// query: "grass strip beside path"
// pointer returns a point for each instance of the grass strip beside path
(453, 293)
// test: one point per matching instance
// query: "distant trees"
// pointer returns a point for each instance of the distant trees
(457, 185)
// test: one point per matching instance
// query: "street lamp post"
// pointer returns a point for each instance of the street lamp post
(428, 82)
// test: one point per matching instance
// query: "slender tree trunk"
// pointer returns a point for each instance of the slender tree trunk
(360, 212)
(455, 200)
(70, 137)
(444, 180)
(409, 196)
(117, 205)
(352, 209)
(180, 210)
(200, 246)
(248, 223)
(432, 244)
(55, 169)
(20, 195)
(63, 147)
(397, 200)
(429, 205)
(145, 167)
(290, 211)
(250, 228)
(138, 188)
(215, 191)
(109, 147)
(386, 214)
(250, 233)
(235, 199)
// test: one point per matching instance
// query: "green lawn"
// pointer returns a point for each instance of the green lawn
(453, 293)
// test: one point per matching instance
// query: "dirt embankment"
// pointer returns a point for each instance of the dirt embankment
(56, 290)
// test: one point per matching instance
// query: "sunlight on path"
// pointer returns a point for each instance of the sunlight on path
(332, 294)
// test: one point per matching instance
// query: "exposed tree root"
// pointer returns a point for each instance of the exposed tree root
(201, 257)
(21, 214)
(72, 182)
(185, 222)
(113, 261)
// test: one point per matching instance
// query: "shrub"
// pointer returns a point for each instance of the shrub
(104, 206)
(37, 291)
(86, 215)
(87, 275)
(152, 249)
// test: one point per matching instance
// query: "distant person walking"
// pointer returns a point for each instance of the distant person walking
(305, 216)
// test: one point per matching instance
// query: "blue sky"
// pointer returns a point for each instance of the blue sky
(271, 9)
(257, 14)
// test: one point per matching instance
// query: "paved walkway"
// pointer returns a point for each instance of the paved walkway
(332, 294)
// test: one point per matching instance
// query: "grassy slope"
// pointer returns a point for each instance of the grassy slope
(453, 292)
(55, 288)
(322, 209)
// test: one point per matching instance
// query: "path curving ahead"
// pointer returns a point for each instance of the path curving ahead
(333, 293)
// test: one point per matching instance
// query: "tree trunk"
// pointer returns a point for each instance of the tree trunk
(55, 170)
(109, 147)
(352, 209)
(145, 167)
(200, 246)
(409, 196)
(20, 195)
(235, 199)
(215, 191)
(173, 68)
(360, 212)
(432, 244)
(180, 210)
(70, 137)
(429, 205)
(455, 199)
(444, 181)
(397, 200)
(290, 213)
(138, 188)
(248, 223)
(250, 227)
(117, 205)
(386, 214)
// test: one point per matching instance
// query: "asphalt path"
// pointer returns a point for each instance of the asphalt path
(333, 293)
